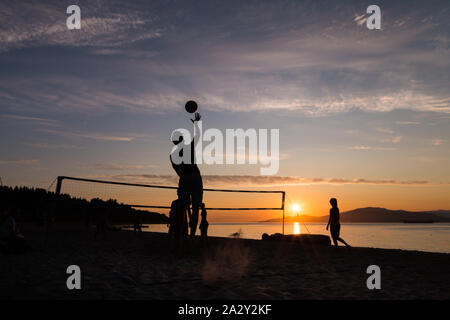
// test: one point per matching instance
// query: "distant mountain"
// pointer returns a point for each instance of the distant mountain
(300, 218)
(441, 213)
(371, 214)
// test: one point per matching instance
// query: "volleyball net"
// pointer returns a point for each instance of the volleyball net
(149, 196)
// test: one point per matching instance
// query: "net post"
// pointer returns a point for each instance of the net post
(282, 206)
(58, 185)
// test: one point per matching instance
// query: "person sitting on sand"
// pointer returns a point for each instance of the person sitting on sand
(100, 216)
(137, 226)
(11, 241)
(8, 228)
(49, 215)
(334, 223)
(204, 225)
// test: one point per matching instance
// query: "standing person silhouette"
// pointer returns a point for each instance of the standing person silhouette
(190, 185)
(334, 223)
(204, 226)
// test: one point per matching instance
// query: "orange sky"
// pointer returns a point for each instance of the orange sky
(363, 115)
(313, 199)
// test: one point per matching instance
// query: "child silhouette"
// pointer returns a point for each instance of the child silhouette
(204, 225)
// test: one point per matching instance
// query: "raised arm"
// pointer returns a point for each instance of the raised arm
(196, 127)
(197, 135)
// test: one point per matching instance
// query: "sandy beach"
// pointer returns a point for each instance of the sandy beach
(125, 266)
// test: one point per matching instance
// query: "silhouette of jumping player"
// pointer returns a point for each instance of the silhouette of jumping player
(190, 185)
(334, 223)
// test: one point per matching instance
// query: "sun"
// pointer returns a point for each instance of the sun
(296, 208)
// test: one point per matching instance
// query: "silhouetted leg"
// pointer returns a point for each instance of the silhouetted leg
(189, 215)
(343, 241)
(335, 241)
(185, 223)
(334, 230)
(195, 211)
(196, 192)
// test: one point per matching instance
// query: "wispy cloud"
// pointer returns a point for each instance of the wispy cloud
(35, 121)
(294, 59)
(389, 136)
(385, 130)
(53, 94)
(53, 146)
(407, 123)
(426, 159)
(25, 162)
(262, 181)
(393, 139)
(26, 118)
(361, 19)
(119, 167)
(93, 135)
(99, 136)
(437, 142)
(364, 147)
(25, 24)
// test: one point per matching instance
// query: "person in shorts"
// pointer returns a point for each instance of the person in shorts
(190, 185)
(334, 224)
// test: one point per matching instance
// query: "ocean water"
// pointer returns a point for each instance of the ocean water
(432, 237)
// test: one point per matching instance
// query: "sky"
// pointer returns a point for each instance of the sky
(363, 114)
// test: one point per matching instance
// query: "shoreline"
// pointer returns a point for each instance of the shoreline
(424, 238)
(123, 265)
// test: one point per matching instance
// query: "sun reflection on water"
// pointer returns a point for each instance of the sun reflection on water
(296, 228)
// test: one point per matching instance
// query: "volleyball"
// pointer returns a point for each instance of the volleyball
(191, 106)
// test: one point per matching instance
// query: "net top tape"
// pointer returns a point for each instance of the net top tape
(163, 187)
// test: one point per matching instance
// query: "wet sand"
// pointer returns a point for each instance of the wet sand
(125, 266)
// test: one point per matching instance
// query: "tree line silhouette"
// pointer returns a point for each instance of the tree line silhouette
(34, 205)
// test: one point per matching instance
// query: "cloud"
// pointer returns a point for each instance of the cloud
(99, 136)
(28, 24)
(294, 58)
(394, 139)
(384, 130)
(361, 21)
(93, 135)
(364, 147)
(232, 181)
(426, 159)
(111, 166)
(407, 123)
(358, 18)
(35, 121)
(437, 142)
(25, 162)
(146, 56)
(65, 93)
(26, 118)
(53, 146)
(391, 133)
